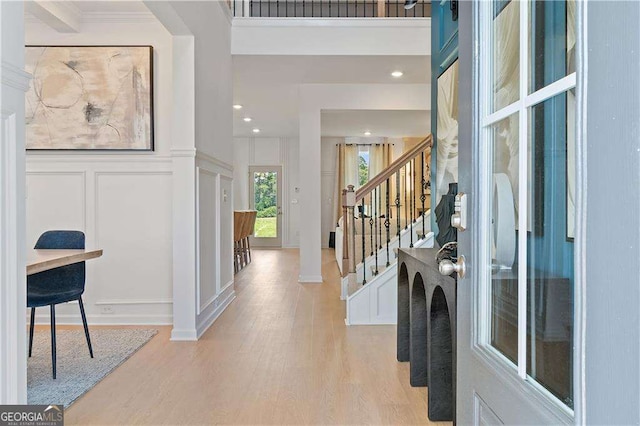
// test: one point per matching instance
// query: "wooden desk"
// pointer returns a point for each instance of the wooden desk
(43, 260)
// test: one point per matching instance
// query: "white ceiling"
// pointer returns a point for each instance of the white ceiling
(267, 86)
(379, 123)
(112, 6)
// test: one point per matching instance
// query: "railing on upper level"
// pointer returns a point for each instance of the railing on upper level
(328, 9)
(395, 198)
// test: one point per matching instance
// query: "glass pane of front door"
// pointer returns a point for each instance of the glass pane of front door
(550, 246)
(506, 53)
(552, 42)
(503, 216)
(265, 194)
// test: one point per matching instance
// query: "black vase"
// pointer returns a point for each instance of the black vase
(444, 210)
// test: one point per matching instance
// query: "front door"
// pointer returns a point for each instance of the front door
(516, 323)
(265, 196)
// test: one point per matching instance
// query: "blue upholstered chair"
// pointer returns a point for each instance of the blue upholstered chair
(59, 285)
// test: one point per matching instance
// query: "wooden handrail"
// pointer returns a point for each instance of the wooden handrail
(381, 177)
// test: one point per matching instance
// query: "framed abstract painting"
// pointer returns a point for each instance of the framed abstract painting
(89, 98)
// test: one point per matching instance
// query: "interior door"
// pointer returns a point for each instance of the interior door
(515, 344)
(265, 196)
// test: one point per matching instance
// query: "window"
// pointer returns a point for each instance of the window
(363, 165)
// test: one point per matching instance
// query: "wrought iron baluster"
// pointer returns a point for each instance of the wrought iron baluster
(379, 197)
(387, 222)
(375, 215)
(412, 200)
(364, 256)
(406, 207)
(398, 207)
(423, 197)
(371, 221)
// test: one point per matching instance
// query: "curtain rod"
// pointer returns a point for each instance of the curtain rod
(364, 144)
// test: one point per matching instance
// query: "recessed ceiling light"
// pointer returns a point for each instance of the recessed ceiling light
(397, 74)
(367, 133)
(256, 130)
(247, 119)
(237, 106)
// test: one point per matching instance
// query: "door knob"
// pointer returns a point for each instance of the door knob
(447, 267)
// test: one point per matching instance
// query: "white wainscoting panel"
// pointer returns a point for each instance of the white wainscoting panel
(207, 184)
(214, 252)
(133, 226)
(226, 231)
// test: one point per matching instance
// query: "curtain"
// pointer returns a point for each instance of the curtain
(346, 174)
(379, 158)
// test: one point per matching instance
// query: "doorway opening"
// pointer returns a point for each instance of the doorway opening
(265, 197)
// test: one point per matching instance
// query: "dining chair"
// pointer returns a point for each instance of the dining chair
(59, 285)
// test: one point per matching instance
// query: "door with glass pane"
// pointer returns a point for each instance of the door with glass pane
(265, 195)
(516, 342)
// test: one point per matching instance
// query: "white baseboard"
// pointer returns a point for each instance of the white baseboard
(215, 313)
(310, 279)
(66, 319)
(183, 335)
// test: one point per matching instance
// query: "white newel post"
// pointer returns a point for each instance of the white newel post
(350, 235)
(15, 82)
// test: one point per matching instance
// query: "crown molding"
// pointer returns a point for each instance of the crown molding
(15, 77)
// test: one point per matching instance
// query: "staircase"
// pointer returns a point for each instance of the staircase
(396, 197)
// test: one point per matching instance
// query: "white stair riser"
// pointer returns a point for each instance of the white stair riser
(377, 301)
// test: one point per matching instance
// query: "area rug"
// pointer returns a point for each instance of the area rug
(77, 372)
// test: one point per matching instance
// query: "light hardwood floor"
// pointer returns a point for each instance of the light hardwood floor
(280, 354)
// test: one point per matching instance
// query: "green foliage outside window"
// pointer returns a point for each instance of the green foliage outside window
(363, 170)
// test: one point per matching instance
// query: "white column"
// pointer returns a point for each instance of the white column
(15, 82)
(184, 190)
(310, 195)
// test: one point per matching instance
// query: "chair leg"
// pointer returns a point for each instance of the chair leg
(86, 327)
(33, 320)
(249, 248)
(235, 257)
(244, 252)
(53, 339)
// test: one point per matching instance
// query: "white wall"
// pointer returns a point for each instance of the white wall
(122, 201)
(339, 36)
(13, 356)
(210, 24)
(328, 178)
(270, 152)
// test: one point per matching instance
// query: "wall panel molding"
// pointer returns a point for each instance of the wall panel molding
(202, 305)
(219, 163)
(133, 302)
